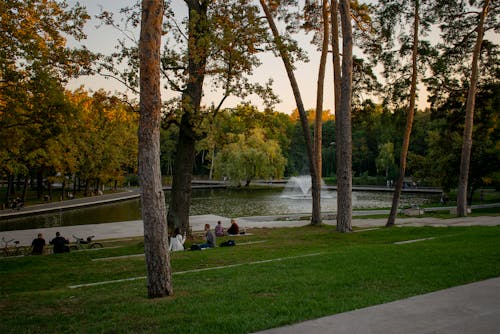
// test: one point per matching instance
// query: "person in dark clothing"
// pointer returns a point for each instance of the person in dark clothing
(234, 229)
(38, 245)
(60, 244)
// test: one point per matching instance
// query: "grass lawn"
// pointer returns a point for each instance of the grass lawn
(285, 276)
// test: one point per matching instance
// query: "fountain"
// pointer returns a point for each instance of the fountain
(299, 187)
(231, 202)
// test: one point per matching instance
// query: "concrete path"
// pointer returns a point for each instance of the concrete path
(126, 229)
(134, 228)
(468, 309)
(70, 204)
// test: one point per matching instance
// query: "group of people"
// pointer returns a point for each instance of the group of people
(178, 239)
(16, 204)
(59, 243)
(234, 229)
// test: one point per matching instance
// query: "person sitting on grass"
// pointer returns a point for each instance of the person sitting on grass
(60, 244)
(219, 230)
(234, 229)
(38, 245)
(210, 238)
(177, 241)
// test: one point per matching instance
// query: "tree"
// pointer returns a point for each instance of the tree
(152, 196)
(402, 75)
(409, 121)
(342, 82)
(444, 139)
(343, 121)
(385, 158)
(285, 57)
(250, 157)
(35, 62)
(469, 118)
(219, 40)
(463, 30)
(318, 124)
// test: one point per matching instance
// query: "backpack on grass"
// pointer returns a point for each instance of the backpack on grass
(228, 243)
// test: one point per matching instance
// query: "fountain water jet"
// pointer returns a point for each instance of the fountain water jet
(299, 187)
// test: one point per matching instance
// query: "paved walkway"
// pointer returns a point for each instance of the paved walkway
(134, 228)
(468, 309)
(70, 204)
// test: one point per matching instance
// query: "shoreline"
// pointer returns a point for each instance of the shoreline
(135, 193)
(135, 228)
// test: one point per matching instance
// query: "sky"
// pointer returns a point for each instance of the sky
(102, 39)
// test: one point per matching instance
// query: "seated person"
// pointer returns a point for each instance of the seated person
(234, 228)
(177, 241)
(38, 245)
(219, 230)
(60, 244)
(210, 238)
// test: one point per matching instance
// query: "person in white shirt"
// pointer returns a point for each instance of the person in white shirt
(177, 241)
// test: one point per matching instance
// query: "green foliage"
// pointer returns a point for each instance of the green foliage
(385, 158)
(250, 157)
(440, 160)
(106, 137)
(365, 179)
(451, 69)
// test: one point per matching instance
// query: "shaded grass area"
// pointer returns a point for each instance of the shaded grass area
(312, 272)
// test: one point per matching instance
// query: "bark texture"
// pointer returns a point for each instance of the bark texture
(343, 119)
(409, 121)
(159, 277)
(318, 126)
(178, 214)
(469, 118)
(334, 12)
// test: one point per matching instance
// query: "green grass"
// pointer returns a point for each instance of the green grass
(320, 273)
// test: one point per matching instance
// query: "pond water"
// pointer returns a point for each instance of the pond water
(223, 202)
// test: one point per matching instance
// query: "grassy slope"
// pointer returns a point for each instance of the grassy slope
(352, 271)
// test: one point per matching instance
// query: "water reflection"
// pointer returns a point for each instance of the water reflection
(223, 202)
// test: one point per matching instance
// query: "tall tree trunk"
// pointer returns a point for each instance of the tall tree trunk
(153, 199)
(318, 135)
(182, 174)
(86, 189)
(337, 77)
(337, 82)
(18, 183)
(409, 121)
(7, 193)
(39, 183)
(63, 185)
(315, 187)
(344, 137)
(210, 176)
(178, 212)
(49, 189)
(25, 188)
(469, 118)
(318, 125)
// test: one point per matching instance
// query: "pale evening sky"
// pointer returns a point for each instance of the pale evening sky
(104, 38)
